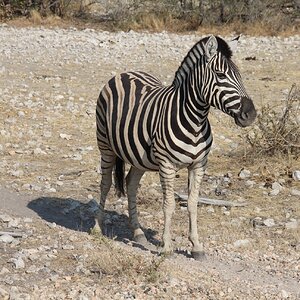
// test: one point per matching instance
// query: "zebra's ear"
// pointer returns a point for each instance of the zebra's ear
(211, 47)
(234, 43)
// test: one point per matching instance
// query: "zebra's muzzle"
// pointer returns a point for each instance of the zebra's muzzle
(247, 113)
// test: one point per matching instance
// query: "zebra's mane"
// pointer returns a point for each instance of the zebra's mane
(195, 53)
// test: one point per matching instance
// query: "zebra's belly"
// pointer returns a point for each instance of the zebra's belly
(183, 156)
(134, 152)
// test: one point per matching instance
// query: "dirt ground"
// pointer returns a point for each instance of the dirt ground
(49, 178)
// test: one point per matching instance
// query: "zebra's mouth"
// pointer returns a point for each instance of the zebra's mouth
(247, 113)
(243, 122)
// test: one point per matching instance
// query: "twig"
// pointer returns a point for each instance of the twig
(208, 201)
(13, 234)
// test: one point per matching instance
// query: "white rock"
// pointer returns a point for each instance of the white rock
(249, 183)
(284, 294)
(295, 192)
(277, 186)
(52, 225)
(18, 263)
(293, 224)
(51, 190)
(296, 175)
(39, 151)
(210, 210)
(269, 222)
(5, 218)
(274, 192)
(13, 223)
(17, 173)
(6, 238)
(65, 136)
(244, 173)
(241, 243)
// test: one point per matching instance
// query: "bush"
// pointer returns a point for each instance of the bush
(182, 15)
(277, 130)
(13, 8)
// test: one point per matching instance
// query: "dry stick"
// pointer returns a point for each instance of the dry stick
(211, 201)
(13, 234)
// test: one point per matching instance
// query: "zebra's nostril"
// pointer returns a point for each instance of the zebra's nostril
(244, 115)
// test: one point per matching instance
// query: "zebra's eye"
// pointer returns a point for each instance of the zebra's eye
(221, 75)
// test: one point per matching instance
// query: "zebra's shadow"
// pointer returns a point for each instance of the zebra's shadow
(79, 216)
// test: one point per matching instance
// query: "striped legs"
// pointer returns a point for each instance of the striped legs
(195, 176)
(132, 181)
(107, 163)
(167, 175)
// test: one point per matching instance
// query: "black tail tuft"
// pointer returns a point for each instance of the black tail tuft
(119, 176)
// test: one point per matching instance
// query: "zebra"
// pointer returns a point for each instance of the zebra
(161, 128)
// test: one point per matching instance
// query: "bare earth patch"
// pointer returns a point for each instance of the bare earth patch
(49, 178)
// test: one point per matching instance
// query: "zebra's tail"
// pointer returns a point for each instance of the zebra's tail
(119, 176)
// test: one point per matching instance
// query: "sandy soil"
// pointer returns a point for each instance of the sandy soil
(49, 177)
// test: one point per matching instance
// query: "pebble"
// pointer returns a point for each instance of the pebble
(296, 175)
(241, 243)
(6, 238)
(284, 294)
(43, 113)
(276, 189)
(249, 183)
(65, 136)
(293, 224)
(5, 218)
(244, 173)
(277, 186)
(269, 222)
(17, 173)
(210, 210)
(18, 262)
(295, 192)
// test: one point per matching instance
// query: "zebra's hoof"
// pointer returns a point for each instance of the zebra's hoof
(198, 255)
(140, 239)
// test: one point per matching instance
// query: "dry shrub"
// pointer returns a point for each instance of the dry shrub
(35, 17)
(277, 129)
(113, 260)
(147, 21)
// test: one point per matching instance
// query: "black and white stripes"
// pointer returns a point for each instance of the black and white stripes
(158, 128)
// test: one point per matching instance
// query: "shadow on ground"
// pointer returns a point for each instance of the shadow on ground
(76, 215)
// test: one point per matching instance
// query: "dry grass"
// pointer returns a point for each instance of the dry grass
(277, 129)
(35, 17)
(113, 260)
(159, 16)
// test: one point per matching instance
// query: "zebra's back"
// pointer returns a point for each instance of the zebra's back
(128, 111)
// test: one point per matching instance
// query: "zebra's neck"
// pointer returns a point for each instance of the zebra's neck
(188, 82)
(194, 59)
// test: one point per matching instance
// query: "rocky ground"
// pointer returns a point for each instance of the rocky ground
(49, 178)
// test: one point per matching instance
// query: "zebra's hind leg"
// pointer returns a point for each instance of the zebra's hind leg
(132, 181)
(195, 177)
(108, 159)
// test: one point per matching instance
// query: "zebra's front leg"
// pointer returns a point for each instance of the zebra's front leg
(195, 177)
(132, 181)
(107, 164)
(167, 175)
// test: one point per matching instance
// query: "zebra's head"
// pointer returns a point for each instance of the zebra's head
(227, 91)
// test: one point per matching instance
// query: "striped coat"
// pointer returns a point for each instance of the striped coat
(164, 128)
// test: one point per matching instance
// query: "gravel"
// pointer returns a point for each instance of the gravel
(49, 83)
